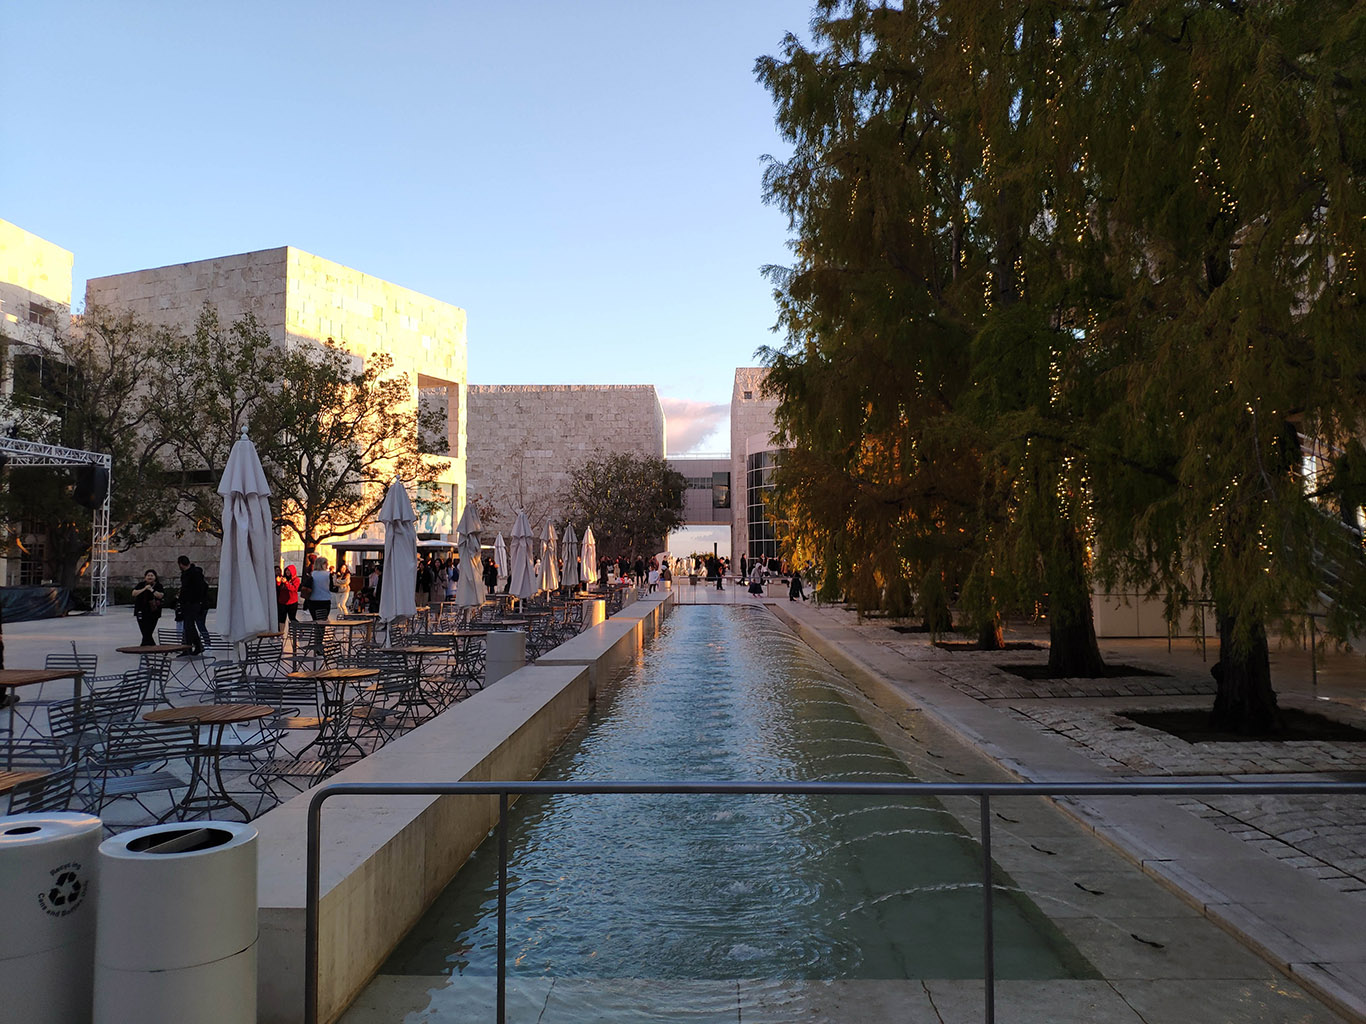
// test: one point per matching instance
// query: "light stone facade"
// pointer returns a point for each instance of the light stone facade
(525, 441)
(304, 299)
(751, 432)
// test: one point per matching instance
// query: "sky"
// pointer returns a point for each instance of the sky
(584, 179)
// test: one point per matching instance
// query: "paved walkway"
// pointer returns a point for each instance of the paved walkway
(1214, 852)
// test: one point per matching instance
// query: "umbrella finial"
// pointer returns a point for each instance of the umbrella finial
(244, 431)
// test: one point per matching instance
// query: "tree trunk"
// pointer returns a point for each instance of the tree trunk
(1244, 703)
(990, 635)
(1073, 651)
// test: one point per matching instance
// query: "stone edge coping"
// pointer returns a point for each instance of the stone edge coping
(1252, 897)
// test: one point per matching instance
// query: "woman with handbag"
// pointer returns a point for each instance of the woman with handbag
(147, 598)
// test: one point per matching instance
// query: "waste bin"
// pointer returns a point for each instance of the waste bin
(48, 864)
(595, 612)
(176, 938)
(504, 653)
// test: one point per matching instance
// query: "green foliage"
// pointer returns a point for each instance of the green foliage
(1096, 268)
(633, 502)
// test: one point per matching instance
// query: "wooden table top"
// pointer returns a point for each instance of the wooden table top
(209, 714)
(8, 780)
(154, 649)
(267, 636)
(335, 674)
(469, 632)
(416, 649)
(506, 623)
(345, 623)
(25, 676)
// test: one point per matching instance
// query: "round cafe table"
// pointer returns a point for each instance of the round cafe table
(206, 755)
(13, 678)
(334, 737)
(157, 658)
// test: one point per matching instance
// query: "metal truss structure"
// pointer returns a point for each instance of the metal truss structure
(34, 453)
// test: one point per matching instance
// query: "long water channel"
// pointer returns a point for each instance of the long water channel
(687, 891)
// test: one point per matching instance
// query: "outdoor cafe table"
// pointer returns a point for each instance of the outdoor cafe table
(8, 780)
(206, 760)
(419, 653)
(157, 657)
(350, 625)
(333, 737)
(13, 678)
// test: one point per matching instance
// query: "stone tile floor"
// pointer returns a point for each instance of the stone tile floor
(1325, 837)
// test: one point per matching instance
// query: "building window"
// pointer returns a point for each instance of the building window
(720, 489)
(747, 395)
(759, 470)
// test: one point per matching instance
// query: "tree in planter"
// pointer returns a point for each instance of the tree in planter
(934, 302)
(331, 433)
(88, 389)
(211, 384)
(336, 436)
(633, 502)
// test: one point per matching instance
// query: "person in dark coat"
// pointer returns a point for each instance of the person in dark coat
(194, 606)
(147, 598)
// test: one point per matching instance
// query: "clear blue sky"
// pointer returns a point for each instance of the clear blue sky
(584, 177)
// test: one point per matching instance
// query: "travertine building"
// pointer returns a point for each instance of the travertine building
(525, 440)
(301, 298)
(753, 457)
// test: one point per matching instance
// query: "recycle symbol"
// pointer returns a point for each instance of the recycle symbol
(66, 891)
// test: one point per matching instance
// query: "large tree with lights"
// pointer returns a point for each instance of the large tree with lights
(1098, 264)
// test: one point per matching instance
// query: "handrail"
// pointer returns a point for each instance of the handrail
(983, 791)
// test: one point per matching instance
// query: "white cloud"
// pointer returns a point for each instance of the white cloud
(689, 423)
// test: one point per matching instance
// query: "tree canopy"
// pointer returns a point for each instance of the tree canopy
(633, 502)
(1076, 292)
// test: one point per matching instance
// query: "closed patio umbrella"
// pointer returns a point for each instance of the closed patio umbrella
(469, 589)
(550, 551)
(500, 558)
(246, 565)
(397, 598)
(523, 579)
(569, 551)
(589, 556)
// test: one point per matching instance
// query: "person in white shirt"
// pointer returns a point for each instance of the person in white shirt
(319, 603)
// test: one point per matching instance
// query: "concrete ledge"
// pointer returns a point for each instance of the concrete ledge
(385, 859)
(609, 646)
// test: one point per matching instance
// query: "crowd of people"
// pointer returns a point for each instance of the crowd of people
(320, 589)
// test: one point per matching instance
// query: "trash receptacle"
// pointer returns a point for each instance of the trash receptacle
(504, 653)
(176, 937)
(48, 864)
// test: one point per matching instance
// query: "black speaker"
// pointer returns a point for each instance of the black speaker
(91, 485)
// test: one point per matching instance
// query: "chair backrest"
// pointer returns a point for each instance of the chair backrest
(168, 635)
(53, 792)
(79, 662)
(265, 652)
(31, 753)
(137, 744)
(283, 692)
(230, 684)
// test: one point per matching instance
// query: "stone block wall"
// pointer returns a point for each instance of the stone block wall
(525, 440)
(300, 298)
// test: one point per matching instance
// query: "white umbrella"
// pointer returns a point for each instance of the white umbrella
(569, 551)
(550, 570)
(500, 558)
(589, 556)
(398, 588)
(246, 564)
(523, 579)
(469, 589)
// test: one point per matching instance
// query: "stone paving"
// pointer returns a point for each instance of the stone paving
(1325, 838)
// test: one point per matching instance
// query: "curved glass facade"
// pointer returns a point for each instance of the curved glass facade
(759, 469)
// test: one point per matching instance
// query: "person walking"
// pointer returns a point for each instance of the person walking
(318, 586)
(194, 607)
(794, 590)
(287, 599)
(490, 574)
(341, 586)
(147, 599)
(756, 579)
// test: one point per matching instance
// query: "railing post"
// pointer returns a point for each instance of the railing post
(988, 925)
(502, 905)
(312, 897)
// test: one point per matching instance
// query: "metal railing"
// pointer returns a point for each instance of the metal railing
(983, 792)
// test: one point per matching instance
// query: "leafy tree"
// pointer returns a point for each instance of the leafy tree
(633, 502)
(331, 431)
(1118, 244)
